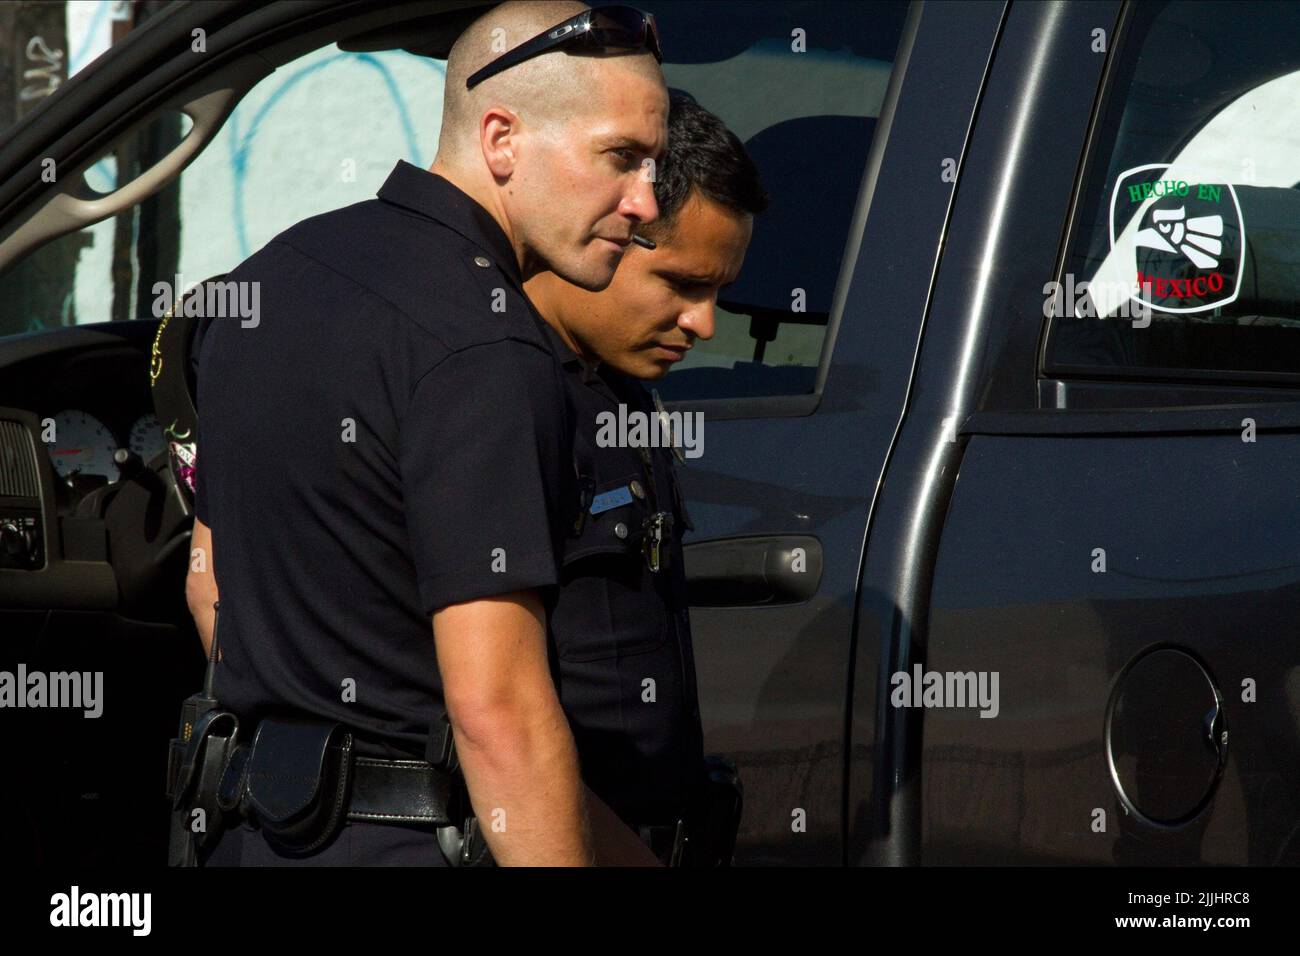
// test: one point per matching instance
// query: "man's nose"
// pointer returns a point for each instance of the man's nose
(699, 319)
(639, 203)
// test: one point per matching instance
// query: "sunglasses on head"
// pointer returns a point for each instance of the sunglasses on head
(616, 27)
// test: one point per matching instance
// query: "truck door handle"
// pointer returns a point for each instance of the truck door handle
(753, 570)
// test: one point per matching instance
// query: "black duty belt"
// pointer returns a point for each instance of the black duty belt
(299, 780)
(400, 791)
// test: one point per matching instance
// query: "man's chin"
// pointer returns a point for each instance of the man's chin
(635, 366)
(590, 276)
(647, 371)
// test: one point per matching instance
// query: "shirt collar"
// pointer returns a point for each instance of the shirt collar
(561, 348)
(571, 360)
(438, 198)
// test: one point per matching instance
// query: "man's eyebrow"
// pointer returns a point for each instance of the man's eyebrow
(628, 142)
(689, 278)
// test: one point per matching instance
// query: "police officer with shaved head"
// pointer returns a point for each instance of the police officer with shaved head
(385, 476)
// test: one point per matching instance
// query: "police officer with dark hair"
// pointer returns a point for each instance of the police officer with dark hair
(626, 674)
(389, 443)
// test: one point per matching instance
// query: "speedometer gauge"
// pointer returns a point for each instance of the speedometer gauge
(83, 445)
(147, 438)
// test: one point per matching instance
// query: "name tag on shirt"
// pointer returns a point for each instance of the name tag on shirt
(610, 499)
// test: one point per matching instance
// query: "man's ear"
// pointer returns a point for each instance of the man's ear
(499, 139)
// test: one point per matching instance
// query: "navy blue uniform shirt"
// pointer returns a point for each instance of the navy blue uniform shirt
(626, 670)
(389, 438)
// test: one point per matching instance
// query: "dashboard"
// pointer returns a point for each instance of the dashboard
(90, 519)
(91, 400)
(81, 444)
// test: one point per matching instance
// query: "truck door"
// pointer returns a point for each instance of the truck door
(849, 111)
(1120, 549)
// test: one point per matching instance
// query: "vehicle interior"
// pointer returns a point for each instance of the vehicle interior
(172, 169)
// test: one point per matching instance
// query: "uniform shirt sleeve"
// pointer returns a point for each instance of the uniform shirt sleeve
(480, 466)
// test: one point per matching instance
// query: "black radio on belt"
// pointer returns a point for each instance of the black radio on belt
(196, 760)
(294, 780)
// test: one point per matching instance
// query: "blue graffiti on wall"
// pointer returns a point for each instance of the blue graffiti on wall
(242, 143)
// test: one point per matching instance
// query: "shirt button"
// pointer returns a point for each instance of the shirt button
(636, 488)
(620, 530)
(482, 262)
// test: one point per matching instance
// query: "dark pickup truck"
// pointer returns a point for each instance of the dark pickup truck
(996, 548)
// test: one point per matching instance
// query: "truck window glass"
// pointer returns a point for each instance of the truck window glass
(1185, 257)
(801, 84)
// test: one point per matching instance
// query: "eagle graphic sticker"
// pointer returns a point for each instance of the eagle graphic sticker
(1187, 239)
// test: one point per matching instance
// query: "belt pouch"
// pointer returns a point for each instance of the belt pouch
(194, 767)
(298, 778)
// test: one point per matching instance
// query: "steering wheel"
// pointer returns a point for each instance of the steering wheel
(174, 387)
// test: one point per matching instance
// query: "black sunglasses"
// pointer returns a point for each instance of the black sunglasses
(600, 27)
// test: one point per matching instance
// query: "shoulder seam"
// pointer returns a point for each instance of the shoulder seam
(475, 345)
(360, 285)
(504, 336)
